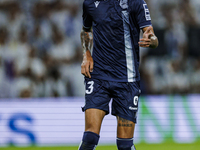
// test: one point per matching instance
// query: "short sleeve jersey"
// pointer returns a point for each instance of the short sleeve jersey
(116, 28)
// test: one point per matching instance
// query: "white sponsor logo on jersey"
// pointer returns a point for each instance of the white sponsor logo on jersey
(132, 108)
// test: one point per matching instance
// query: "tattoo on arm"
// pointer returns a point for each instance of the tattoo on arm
(124, 123)
(86, 40)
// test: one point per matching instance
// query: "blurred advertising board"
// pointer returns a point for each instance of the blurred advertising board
(61, 121)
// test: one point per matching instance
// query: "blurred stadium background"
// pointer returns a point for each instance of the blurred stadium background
(42, 89)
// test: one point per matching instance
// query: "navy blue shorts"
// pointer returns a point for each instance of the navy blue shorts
(124, 95)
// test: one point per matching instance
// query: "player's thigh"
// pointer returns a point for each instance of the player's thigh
(125, 128)
(96, 104)
(93, 120)
(125, 101)
(96, 95)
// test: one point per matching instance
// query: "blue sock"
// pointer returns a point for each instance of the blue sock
(125, 144)
(89, 141)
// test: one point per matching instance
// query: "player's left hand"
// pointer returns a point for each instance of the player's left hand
(146, 40)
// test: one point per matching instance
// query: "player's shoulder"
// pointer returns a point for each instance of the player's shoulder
(137, 1)
(135, 4)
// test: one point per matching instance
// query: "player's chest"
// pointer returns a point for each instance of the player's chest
(107, 11)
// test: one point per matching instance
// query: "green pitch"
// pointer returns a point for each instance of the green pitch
(165, 146)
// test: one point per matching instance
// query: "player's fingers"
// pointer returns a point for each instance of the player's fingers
(89, 75)
(83, 70)
(149, 29)
(91, 66)
(144, 45)
(147, 35)
(150, 34)
(145, 39)
(87, 72)
(144, 42)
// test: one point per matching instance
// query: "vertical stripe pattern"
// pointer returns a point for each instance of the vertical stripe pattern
(131, 73)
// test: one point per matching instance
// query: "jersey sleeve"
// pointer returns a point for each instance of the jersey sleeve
(87, 18)
(142, 14)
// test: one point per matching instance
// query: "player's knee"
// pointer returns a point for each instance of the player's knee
(125, 144)
(91, 128)
(89, 141)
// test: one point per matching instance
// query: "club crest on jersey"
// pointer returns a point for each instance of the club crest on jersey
(124, 4)
(97, 3)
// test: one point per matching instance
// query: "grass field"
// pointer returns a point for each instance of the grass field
(165, 146)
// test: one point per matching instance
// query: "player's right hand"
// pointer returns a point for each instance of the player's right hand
(87, 64)
(146, 41)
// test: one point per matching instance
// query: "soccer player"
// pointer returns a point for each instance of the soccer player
(110, 41)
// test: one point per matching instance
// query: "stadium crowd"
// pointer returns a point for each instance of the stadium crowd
(40, 50)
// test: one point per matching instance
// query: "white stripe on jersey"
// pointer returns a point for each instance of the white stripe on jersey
(131, 73)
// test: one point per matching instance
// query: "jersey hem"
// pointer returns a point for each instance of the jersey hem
(125, 117)
(115, 80)
(100, 108)
(86, 27)
(145, 26)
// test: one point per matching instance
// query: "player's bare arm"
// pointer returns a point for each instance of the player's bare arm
(149, 38)
(86, 41)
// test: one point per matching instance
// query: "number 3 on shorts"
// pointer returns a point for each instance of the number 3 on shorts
(90, 88)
